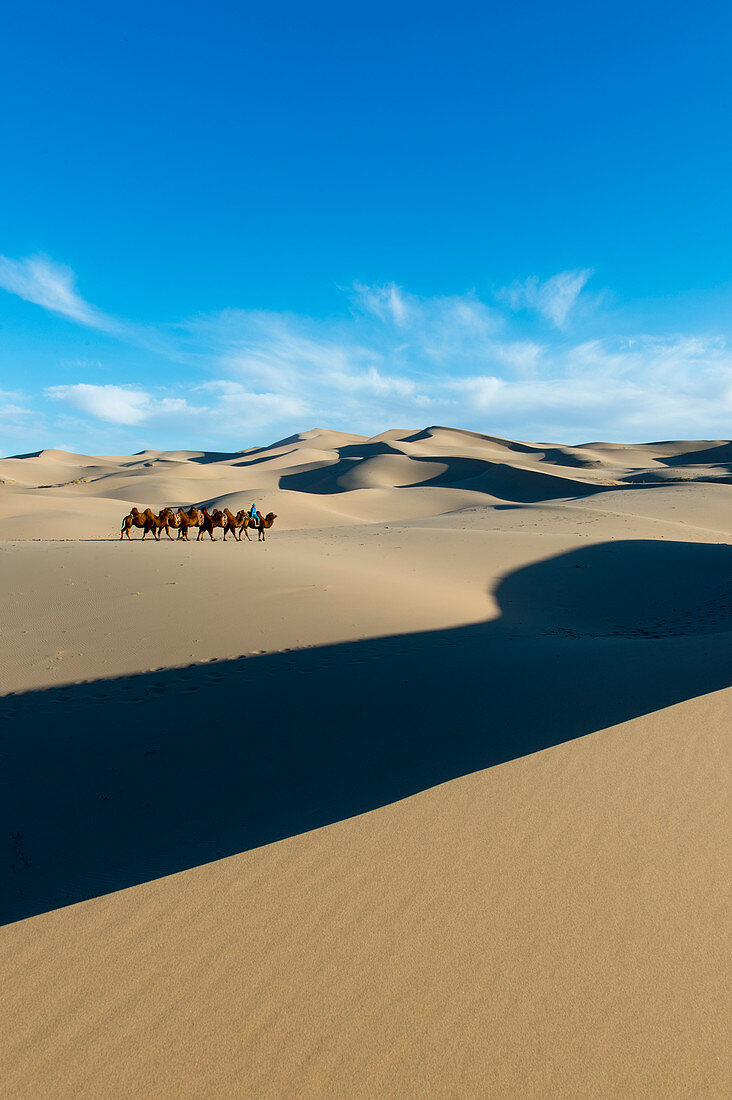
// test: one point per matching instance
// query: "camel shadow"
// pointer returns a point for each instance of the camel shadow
(112, 783)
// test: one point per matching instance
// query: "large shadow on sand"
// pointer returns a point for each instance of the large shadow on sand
(116, 782)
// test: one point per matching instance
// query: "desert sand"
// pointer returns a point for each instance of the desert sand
(423, 796)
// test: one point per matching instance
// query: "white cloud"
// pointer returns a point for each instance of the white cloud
(117, 404)
(554, 299)
(52, 286)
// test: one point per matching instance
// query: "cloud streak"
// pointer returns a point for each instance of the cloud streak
(52, 286)
(554, 299)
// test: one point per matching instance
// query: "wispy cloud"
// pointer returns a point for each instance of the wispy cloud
(391, 358)
(554, 299)
(644, 388)
(53, 287)
(454, 361)
(243, 407)
(614, 388)
(15, 411)
(386, 302)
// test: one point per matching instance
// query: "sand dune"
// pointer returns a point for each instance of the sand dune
(423, 796)
(46, 487)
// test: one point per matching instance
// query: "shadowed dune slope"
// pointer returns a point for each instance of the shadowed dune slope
(105, 787)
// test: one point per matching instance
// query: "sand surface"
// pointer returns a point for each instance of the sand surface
(424, 796)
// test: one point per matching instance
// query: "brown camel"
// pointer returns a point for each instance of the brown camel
(136, 518)
(191, 518)
(263, 524)
(239, 523)
(162, 522)
(209, 521)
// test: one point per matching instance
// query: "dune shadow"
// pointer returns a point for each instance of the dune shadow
(209, 457)
(717, 456)
(497, 479)
(107, 784)
(321, 480)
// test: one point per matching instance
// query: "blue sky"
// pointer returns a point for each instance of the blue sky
(222, 223)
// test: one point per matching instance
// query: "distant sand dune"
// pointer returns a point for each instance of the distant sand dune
(319, 463)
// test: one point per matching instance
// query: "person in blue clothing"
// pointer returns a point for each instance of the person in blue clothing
(253, 513)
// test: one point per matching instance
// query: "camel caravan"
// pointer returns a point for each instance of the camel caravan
(201, 519)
